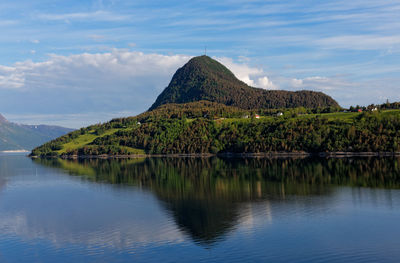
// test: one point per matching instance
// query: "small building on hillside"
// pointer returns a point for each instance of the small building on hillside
(374, 109)
(279, 114)
(359, 110)
(257, 116)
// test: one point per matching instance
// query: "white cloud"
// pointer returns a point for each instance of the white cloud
(6, 23)
(95, 72)
(252, 76)
(296, 83)
(105, 83)
(11, 78)
(360, 42)
(97, 38)
(102, 70)
(265, 83)
(80, 86)
(94, 16)
(320, 83)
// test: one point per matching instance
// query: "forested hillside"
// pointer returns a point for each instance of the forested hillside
(205, 127)
(203, 78)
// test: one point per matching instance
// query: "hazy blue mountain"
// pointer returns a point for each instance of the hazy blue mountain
(15, 136)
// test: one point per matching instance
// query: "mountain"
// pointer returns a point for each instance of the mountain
(3, 119)
(207, 110)
(15, 136)
(204, 78)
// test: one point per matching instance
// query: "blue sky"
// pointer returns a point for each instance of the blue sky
(80, 62)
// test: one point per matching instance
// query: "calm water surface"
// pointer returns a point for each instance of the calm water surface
(200, 210)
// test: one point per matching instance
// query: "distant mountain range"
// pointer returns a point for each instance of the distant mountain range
(204, 78)
(14, 136)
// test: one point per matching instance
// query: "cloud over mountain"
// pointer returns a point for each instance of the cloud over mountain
(252, 76)
(116, 81)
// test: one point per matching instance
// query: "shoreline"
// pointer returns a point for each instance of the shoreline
(233, 155)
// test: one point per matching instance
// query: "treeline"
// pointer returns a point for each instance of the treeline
(371, 107)
(388, 105)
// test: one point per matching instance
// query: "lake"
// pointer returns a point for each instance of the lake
(199, 210)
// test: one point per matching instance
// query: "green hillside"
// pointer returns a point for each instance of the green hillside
(206, 127)
(203, 78)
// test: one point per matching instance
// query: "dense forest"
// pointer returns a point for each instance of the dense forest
(203, 78)
(206, 127)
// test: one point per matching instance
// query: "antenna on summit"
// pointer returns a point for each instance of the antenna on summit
(205, 50)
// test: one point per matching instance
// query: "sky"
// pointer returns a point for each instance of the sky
(80, 62)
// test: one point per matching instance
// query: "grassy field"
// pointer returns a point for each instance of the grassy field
(344, 116)
(85, 139)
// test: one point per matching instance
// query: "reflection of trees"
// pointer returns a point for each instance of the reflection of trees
(204, 195)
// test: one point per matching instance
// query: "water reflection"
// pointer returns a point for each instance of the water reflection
(209, 197)
(40, 205)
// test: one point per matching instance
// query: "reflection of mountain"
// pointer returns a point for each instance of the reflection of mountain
(204, 220)
(205, 196)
